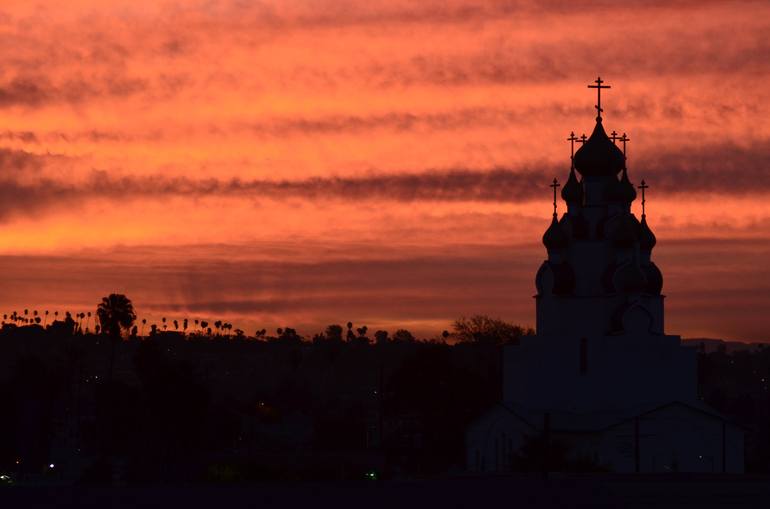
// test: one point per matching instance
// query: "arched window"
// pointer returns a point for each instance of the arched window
(583, 356)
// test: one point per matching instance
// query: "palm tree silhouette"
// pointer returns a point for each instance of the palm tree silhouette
(144, 322)
(115, 313)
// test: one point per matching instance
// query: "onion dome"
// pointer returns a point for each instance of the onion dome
(647, 239)
(555, 237)
(599, 156)
(572, 192)
(555, 278)
(629, 278)
(627, 232)
(654, 278)
(627, 191)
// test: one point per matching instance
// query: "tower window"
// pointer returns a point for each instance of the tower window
(583, 356)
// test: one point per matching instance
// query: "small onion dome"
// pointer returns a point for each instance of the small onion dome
(627, 232)
(572, 192)
(555, 237)
(654, 278)
(627, 191)
(555, 279)
(647, 239)
(599, 156)
(629, 278)
(575, 226)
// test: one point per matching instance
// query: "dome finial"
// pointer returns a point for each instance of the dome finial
(555, 185)
(599, 88)
(643, 186)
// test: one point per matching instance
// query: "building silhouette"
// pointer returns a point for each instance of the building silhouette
(601, 378)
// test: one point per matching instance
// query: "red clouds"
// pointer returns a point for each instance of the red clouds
(420, 128)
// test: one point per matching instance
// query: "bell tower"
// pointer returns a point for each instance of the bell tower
(600, 340)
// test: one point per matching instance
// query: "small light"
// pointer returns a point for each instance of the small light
(51, 465)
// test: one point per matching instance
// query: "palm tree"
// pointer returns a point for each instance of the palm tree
(115, 313)
(144, 322)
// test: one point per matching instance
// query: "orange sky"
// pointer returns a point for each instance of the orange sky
(300, 163)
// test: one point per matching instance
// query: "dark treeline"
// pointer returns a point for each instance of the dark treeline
(344, 404)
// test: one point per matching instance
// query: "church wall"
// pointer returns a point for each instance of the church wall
(492, 439)
(593, 316)
(625, 371)
(674, 438)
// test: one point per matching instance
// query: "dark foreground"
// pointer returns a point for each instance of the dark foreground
(522, 491)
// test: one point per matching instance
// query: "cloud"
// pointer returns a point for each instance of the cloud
(711, 293)
(726, 169)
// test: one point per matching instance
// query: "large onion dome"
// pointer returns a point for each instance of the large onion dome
(599, 156)
(629, 278)
(647, 239)
(654, 278)
(555, 237)
(572, 192)
(626, 232)
(555, 278)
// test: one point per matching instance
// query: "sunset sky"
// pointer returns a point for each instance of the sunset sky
(300, 163)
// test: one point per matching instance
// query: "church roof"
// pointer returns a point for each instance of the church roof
(571, 422)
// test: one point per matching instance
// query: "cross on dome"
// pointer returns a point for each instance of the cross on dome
(583, 138)
(643, 186)
(599, 88)
(555, 185)
(614, 136)
(624, 139)
(572, 139)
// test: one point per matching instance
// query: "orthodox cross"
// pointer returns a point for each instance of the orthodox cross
(583, 138)
(624, 139)
(643, 186)
(572, 139)
(599, 88)
(614, 136)
(555, 185)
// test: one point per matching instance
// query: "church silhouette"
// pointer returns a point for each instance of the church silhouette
(601, 378)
